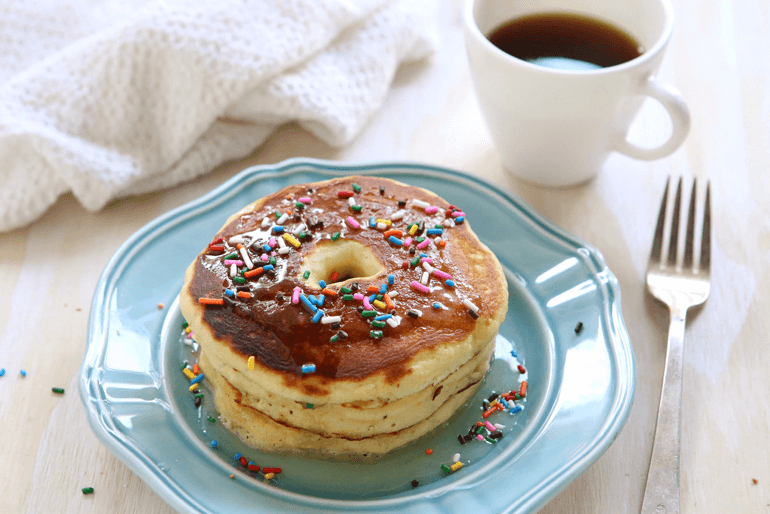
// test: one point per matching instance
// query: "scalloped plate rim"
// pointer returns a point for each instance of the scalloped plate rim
(535, 499)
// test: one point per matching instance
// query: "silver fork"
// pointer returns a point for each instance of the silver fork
(679, 286)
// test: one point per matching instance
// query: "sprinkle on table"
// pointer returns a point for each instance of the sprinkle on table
(88, 490)
(58, 390)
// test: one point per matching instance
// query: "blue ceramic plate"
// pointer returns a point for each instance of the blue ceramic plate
(581, 385)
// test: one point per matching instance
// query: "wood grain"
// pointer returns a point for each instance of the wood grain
(718, 59)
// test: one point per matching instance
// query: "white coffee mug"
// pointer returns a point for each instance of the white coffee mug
(557, 127)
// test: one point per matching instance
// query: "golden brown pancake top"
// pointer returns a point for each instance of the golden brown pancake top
(282, 336)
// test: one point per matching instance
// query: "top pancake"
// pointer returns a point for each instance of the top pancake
(281, 335)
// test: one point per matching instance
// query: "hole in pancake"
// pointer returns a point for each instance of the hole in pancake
(342, 260)
(344, 275)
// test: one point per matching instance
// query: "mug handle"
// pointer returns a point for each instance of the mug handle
(677, 109)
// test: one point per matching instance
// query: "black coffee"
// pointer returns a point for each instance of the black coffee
(566, 41)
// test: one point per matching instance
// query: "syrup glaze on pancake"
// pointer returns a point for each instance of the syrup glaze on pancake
(282, 336)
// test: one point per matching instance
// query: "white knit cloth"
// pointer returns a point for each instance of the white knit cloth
(110, 98)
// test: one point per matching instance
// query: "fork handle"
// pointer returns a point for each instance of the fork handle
(661, 494)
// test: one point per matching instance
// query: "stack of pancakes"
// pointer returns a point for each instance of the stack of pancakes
(365, 394)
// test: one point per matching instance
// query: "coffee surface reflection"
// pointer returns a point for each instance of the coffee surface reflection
(566, 41)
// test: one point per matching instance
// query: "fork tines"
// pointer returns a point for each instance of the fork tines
(704, 261)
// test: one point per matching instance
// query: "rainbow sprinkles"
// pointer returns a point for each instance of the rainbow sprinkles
(370, 299)
(354, 315)
(254, 256)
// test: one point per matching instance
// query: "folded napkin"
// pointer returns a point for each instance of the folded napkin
(109, 99)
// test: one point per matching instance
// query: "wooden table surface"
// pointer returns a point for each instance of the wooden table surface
(718, 58)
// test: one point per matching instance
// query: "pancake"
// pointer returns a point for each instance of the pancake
(261, 431)
(355, 419)
(309, 263)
